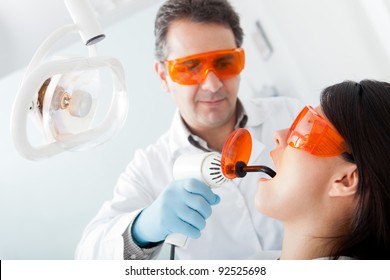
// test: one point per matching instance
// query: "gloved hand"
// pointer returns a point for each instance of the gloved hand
(182, 207)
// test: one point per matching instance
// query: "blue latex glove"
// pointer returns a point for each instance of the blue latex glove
(182, 207)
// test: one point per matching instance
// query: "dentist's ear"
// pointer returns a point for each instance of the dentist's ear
(345, 182)
(162, 75)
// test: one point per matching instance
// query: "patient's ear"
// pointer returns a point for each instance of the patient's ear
(162, 75)
(345, 182)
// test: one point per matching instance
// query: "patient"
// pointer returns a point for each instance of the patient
(332, 188)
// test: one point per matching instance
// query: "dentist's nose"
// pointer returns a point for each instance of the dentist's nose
(211, 83)
(280, 138)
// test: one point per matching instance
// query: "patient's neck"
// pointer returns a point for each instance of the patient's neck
(302, 243)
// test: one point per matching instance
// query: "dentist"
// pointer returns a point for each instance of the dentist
(199, 60)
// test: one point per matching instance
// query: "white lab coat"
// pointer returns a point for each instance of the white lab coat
(235, 229)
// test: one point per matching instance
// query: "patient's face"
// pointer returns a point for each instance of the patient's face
(301, 185)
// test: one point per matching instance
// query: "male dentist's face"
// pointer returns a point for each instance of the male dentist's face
(212, 103)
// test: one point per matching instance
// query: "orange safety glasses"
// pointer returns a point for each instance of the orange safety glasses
(193, 69)
(312, 133)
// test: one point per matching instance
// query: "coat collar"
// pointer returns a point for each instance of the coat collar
(251, 113)
(256, 110)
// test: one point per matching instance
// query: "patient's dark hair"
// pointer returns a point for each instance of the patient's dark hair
(199, 11)
(361, 114)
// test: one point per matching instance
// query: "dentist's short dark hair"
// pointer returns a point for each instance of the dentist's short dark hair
(199, 11)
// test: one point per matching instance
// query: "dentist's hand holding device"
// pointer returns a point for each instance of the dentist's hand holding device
(180, 212)
(182, 208)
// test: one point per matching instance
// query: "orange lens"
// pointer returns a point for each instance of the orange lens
(191, 70)
(238, 147)
(312, 133)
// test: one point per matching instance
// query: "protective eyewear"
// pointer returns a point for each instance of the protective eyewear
(312, 133)
(191, 70)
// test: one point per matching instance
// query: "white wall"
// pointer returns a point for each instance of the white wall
(45, 205)
(317, 43)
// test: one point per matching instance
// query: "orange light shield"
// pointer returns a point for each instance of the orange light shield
(191, 70)
(237, 148)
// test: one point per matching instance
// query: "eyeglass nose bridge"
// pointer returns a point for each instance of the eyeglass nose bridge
(206, 71)
(214, 83)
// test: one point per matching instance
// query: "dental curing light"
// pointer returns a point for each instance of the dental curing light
(215, 170)
(63, 96)
(205, 167)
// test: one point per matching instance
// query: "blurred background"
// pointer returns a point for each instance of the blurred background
(293, 48)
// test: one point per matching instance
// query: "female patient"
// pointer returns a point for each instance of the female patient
(332, 188)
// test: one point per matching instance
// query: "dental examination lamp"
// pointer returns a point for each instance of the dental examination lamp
(215, 170)
(62, 95)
